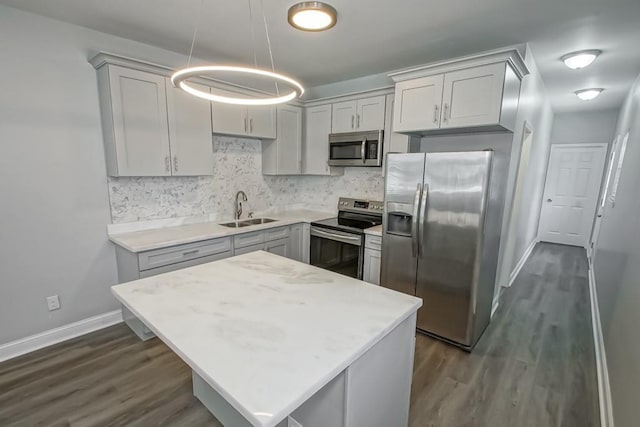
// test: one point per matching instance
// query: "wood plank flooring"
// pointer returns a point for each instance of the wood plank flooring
(534, 366)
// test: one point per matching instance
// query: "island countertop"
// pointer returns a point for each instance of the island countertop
(264, 331)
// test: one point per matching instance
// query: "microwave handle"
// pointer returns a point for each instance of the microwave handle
(363, 151)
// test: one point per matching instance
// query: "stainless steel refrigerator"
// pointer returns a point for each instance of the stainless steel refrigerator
(440, 240)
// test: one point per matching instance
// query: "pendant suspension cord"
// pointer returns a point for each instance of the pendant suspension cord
(253, 37)
(195, 32)
(266, 31)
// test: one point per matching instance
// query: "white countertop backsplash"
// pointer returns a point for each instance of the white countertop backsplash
(264, 331)
(237, 165)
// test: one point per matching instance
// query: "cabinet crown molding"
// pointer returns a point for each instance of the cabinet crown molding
(510, 56)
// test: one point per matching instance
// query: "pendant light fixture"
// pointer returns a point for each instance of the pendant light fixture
(179, 79)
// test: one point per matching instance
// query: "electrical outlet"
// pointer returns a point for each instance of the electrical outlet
(53, 302)
(291, 422)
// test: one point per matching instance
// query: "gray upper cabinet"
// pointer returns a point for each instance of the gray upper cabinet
(317, 127)
(189, 132)
(370, 113)
(417, 104)
(473, 97)
(149, 127)
(262, 121)
(477, 93)
(239, 120)
(343, 117)
(283, 156)
(359, 115)
(134, 122)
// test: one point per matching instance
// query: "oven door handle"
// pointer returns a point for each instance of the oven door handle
(339, 237)
(363, 150)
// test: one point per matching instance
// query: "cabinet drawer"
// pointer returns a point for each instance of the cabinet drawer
(373, 242)
(248, 239)
(185, 264)
(276, 233)
(175, 254)
(247, 249)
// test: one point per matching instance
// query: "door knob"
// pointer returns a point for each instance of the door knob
(549, 200)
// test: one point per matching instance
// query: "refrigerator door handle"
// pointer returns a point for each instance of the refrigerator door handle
(415, 222)
(423, 216)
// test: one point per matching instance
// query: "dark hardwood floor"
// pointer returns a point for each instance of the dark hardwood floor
(534, 366)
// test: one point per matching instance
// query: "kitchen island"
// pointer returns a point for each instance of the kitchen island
(268, 338)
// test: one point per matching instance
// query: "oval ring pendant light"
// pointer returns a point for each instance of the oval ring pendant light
(179, 78)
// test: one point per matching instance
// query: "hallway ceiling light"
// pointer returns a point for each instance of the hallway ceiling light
(312, 16)
(581, 59)
(180, 77)
(588, 94)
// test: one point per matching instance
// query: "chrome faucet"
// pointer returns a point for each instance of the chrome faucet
(239, 202)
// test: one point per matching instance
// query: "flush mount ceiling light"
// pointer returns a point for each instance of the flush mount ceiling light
(588, 94)
(180, 77)
(312, 16)
(581, 59)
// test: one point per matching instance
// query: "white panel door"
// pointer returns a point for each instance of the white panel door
(417, 104)
(571, 193)
(140, 122)
(229, 119)
(370, 113)
(289, 141)
(262, 121)
(189, 132)
(316, 147)
(343, 116)
(473, 97)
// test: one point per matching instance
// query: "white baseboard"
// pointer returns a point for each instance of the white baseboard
(53, 336)
(604, 390)
(521, 263)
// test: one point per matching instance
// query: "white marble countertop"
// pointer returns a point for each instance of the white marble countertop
(374, 231)
(156, 238)
(264, 331)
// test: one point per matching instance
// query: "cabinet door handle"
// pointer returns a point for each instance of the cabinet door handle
(352, 120)
(245, 125)
(167, 164)
(435, 114)
(192, 252)
(175, 163)
(250, 125)
(358, 121)
(445, 113)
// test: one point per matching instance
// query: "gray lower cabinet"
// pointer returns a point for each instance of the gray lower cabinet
(372, 253)
(288, 241)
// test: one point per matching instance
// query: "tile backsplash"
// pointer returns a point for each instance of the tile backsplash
(237, 166)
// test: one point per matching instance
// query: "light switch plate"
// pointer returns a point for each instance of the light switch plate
(53, 302)
(291, 422)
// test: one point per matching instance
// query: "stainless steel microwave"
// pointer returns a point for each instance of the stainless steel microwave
(356, 148)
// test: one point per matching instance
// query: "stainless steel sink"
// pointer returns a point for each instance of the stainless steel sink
(255, 221)
(235, 224)
(247, 222)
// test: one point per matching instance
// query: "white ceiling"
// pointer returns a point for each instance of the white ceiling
(374, 36)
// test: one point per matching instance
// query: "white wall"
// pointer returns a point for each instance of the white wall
(617, 273)
(584, 127)
(535, 109)
(54, 206)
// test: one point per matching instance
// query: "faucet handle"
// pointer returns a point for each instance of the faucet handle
(250, 215)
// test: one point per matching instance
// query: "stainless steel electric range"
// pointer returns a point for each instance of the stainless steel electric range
(337, 244)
